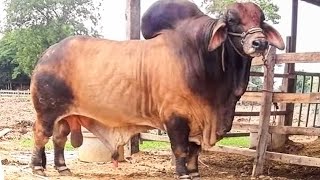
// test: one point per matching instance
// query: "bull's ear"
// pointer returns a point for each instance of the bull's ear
(218, 36)
(273, 36)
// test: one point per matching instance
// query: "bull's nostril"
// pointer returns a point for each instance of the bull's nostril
(260, 44)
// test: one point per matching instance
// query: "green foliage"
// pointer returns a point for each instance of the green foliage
(256, 80)
(73, 13)
(7, 56)
(154, 145)
(28, 143)
(31, 26)
(228, 141)
(303, 84)
(217, 7)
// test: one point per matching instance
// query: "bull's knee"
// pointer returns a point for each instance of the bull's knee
(178, 132)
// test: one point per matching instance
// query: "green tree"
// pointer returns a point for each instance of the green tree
(31, 26)
(7, 55)
(217, 7)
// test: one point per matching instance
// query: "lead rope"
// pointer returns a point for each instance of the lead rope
(275, 108)
(222, 59)
(264, 57)
(223, 50)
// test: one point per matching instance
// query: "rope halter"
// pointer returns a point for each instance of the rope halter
(243, 36)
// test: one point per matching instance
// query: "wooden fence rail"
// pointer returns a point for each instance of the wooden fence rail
(309, 57)
(14, 93)
(284, 97)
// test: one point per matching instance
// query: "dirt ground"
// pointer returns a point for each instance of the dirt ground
(17, 114)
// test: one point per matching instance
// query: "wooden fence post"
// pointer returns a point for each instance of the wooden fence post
(133, 32)
(265, 113)
(288, 85)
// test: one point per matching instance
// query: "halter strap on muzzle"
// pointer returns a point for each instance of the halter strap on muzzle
(244, 34)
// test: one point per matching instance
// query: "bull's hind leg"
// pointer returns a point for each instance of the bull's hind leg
(178, 132)
(60, 133)
(51, 97)
(192, 160)
(38, 159)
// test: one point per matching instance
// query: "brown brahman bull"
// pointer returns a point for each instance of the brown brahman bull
(185, 78)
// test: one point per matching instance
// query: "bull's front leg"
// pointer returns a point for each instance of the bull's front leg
(178, 132)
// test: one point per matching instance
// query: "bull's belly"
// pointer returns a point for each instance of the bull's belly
(115, 118)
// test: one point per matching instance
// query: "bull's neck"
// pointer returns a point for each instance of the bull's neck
(198, 30)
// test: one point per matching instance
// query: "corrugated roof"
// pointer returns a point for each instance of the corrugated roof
(315, 2)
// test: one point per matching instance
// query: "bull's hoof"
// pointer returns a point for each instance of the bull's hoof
(64, 171)
(195, 176)
(184, 177)
(38, 170)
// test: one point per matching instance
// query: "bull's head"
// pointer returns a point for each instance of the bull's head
(243, 25)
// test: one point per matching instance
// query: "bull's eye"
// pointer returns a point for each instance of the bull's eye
(232, 21)
(233, 18)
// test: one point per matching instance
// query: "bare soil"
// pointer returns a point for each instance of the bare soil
(18, 115)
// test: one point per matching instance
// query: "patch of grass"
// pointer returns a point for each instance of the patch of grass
(149, 145)
(154, 145)
(28, 143)
(243, 142)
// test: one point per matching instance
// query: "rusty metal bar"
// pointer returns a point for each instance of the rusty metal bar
(308, 109)
(300, 110)
(316, 108)
(294, 25)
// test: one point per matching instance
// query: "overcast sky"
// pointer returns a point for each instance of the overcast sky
(114, 24)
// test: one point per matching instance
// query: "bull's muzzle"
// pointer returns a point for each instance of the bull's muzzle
(260, 44)
(253, 41)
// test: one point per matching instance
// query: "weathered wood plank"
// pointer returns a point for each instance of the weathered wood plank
(289, 76)
(289, 130)
(239, 113)
(306, 57)
(284, 97)
(265, 114)
(280, 157)
(4, 132)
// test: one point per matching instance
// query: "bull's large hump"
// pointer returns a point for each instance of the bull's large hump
(165, 14)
